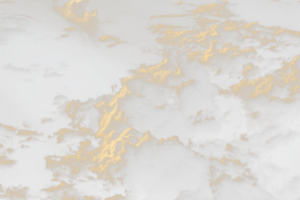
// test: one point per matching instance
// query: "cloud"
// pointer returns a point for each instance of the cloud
(111, 40)
(66, 134)
(272, 99)
(65, 191)
(74, 12)
(12, 25)
(74, 166)
(214, 118)
(53, 74)
(68, 31)
(7, 2)
(15, 193)
(173, 97)
(11, 67)
(217, 38)
(46, 120)
(181, 3)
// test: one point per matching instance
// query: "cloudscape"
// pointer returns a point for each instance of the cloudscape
(149, 100)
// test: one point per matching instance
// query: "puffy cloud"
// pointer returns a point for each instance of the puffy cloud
(66, 134)
(216, 39)
(65, 191)
(141, 162)
(72, 166)
(15, 193)
(272, 99)
(53, 74)
(74, 12)
(46, 120)
(11, 67)
(12, 25)
(218, 10)
(28, 133)
(68, 31)
(5, 162)
(250, 71)
(6, 2)
(111, 40)
(181, 3)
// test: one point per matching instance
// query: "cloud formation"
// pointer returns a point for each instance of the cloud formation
(74, 12)
(12, 25)
(112, 41)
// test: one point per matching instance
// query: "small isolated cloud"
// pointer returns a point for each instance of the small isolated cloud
(68, 31)
(181, 3)
(11, 67)
(6, 2)
(26, 124)
(54, 74)
(112, 41)
(46, 120)
(75, 12)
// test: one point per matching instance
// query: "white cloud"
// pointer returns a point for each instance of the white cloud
(12, 25)
(216, 38)
(53, 74)
(111, 40)
(66, 191)
(68, 31)
(46, 120)
(11, 67)
(7, 2)
(272, 99)
(15, 193)
(74, 12)
(181, 3)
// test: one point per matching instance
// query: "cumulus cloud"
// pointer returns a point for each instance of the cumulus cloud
(205, 109)
(66, 191)
(112, 41)
(74, 12)
(173, 97)
(15, 193)
(181, 3)
(46, 120)
(7, 1)
(11, 67)
(218, 38)
(53, 74)
(68, 32)
(272, 99)
(7, 134)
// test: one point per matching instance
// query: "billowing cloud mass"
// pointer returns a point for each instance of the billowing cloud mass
(158, 132)
(221, 43)
(274, 98)
(74, 12)
(203, 123)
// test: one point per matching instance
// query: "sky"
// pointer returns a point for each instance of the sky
(149, 100)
